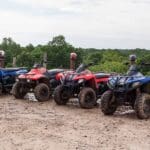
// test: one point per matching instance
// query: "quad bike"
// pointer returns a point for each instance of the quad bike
(81, 84)
(38, 80)
(127, 90)
(8, 78)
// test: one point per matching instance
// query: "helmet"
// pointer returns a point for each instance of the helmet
(36, 65)
(132, 57)
(73, 56)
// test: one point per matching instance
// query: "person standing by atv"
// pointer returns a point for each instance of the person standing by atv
(133, 69)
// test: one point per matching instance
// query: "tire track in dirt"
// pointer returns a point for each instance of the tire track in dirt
(32, 125)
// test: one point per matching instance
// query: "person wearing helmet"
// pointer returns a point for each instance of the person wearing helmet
(133, 69)
(36, 65)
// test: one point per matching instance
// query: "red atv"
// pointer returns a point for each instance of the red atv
(39, 80)
(86, 86)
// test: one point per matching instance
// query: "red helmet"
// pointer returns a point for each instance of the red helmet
(73, 56)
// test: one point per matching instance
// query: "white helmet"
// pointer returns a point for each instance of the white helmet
(132, 57)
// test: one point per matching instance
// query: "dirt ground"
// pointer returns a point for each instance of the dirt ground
(30, 125)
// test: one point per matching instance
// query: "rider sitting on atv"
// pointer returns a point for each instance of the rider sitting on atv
(133, 69)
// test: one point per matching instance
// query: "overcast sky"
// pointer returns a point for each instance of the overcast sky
(84, 23)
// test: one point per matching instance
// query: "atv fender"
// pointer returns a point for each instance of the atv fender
(44, 80)
(146, 88)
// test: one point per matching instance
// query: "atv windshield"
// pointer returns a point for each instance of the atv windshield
(81, 68)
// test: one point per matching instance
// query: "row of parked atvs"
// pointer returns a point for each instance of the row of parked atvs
(114, 90)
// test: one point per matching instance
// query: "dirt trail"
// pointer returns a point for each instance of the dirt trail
(28, 125)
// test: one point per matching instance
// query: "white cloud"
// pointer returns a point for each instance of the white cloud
(97, 23)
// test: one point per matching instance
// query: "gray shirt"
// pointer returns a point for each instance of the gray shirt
(132, 70)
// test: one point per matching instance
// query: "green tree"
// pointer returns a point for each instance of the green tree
(58, 41)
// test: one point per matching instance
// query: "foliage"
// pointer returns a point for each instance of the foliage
(58, 54)
(112, 66)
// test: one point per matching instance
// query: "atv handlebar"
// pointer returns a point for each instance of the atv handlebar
(141, 64)
(145, 64)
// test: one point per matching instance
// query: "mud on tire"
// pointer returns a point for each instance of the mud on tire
(59, 96)
(18, 91)
(87, 98)
(42, 92)
(142, 106)
(108, 107)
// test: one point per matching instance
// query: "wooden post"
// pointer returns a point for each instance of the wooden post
(2, 58)
(14, 62)
(45, 60)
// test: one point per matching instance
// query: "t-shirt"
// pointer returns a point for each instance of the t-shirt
(132, 70)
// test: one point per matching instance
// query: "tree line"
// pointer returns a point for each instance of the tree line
(58, 54)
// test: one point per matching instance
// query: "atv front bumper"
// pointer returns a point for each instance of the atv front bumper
(73, 88)
(29, 84)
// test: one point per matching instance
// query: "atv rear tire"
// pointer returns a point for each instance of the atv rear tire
(87, 98)
(60, 97)
(108, 106)
(142, 106)
(42, 92)
(18, 91)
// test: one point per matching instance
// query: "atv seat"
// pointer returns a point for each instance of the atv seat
(55, 71)
(52, 73)
(101, 75)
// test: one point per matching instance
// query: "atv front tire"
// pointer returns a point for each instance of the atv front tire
(42, 92)
(108, 105)
(18, 90)
(87, 98)
(142, 106)
(60, 95)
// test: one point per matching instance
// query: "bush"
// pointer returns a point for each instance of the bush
(110, 67)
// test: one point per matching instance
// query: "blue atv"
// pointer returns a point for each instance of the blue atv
(8, 77)
(127, 90)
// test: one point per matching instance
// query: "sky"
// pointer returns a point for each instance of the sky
(84, 23)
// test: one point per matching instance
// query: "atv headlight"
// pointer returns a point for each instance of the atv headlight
(80, 81)
(121, 81)
(17, 79)
(136, 84)
(111, 82)
(28, 80)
